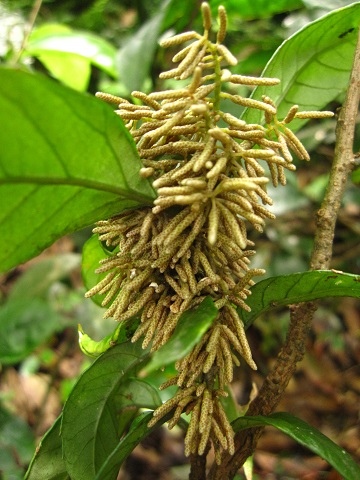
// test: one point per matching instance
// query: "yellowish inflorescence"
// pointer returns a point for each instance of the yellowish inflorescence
(205, 165)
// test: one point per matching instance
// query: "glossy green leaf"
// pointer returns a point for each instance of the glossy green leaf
(62, 42)
(134, 394)
(123, 332)
(191, 327)
(329, 5)
(160, 376)
(137, 433)
(138, 393)
(71, 70)
(313, 65)
(90, 425)
(48, 462)
(66, 161)
(307, 436)
(298, 287)
(136, 55)
(92, 253)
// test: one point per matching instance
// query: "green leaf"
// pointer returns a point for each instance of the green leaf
(16, 445)
(66, 161)
(355, 176)
(136, 55)
(188, 332)
(298, 287)
(307, 436)
(313, 65)
(29, 317)
(36, 280)
(257, 9)
(134, 394)
(123, 332)
(160, 376)
(68, 54)
(230, 405)
(138, 393)
(137, 433)
(290, 198)
(92, 253)
(25, 324)
(72, 70)
(315, 190)
(178, 15)
(90, 426)
(31, 313)
(48, 462)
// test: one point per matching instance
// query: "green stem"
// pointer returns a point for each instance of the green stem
(31, 22)
(217, 81)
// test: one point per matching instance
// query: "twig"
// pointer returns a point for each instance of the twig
(342, 165)
(198, 467)
(301, 315)
(31, 22)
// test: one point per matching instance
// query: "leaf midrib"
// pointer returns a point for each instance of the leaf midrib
(126, 191)
(106, 398)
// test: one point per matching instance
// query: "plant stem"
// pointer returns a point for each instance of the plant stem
(301, 315)
(31, 22)
(198, 467)
(342, 166)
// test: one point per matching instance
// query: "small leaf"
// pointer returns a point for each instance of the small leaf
(66, 161)
(138, 393)
(313, 65)
(307, 436)
(178, 15)
(71, 70)
(92, 253)
(122, 333)
(36, 280)
(69, 54)
(160, 376)
(355, 176)
(48, 463)
(24, 325)
(90, 425)
(230, 405)
(139, 430)
(55, 38)
(134, 394)
(191, 327)
(93, 348)
(136, 55)
(298, 287)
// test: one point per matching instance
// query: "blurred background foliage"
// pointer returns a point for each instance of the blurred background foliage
(112, 46)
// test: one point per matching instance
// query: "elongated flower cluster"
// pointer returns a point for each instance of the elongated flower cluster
(206, 166)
